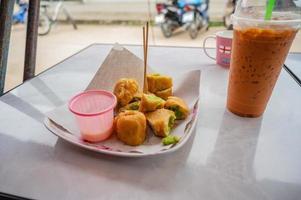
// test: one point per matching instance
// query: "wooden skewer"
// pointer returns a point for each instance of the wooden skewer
(146, 43)
(145, 48)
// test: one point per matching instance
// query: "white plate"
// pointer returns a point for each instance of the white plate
(65, 135)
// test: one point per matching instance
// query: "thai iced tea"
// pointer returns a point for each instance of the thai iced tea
(257, 58)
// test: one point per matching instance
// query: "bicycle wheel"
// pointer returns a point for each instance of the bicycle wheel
(44, 24)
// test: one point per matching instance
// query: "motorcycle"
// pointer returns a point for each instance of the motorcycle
(169, 17)
(20, 16)
(192, 15)
(195, 17)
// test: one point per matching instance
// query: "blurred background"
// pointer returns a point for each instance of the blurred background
(68, 26)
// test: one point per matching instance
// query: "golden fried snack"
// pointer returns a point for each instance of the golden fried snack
(150, 102)
(161, 121)
(131, 106)
(124, 90)
(137, 97)
(177, 105)
(164, 94)
(157, 82)
(130, 127)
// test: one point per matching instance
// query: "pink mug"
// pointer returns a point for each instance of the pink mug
(223, 47)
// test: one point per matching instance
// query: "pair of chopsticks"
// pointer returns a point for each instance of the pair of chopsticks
(145, 48)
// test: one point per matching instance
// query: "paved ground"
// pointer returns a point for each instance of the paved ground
(63, 41)
(127, 9)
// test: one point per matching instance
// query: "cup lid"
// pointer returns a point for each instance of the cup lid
(253, 12)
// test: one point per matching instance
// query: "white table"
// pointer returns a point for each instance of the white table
(228, 157)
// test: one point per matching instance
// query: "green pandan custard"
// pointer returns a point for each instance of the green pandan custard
(171, 122)
(131, 106)
(134, 105)
(177, 111)
(177, 105)
(170, 139)
(152, 97)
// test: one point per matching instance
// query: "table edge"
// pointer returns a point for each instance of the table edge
(11, 196)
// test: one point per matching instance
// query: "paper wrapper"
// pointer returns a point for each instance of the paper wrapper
(121, 63)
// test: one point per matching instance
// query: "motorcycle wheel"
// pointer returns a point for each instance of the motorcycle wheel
(44, 24)
(166, 29)
(193, 31)
(227, 22)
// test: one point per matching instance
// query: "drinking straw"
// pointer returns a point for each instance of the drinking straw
(269, 9)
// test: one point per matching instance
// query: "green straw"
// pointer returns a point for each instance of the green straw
(269, 9)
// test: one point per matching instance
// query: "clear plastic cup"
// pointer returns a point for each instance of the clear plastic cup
(259, 49)
(94, 113)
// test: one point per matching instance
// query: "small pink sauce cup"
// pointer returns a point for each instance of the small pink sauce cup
(94, 113)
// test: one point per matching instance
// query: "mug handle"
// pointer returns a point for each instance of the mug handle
(205, 48)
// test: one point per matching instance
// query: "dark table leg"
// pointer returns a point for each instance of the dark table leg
(31, 39)
(6, 12)
(291, 73)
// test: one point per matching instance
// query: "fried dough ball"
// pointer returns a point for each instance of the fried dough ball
(131, 127)
(177, 105)
(124, 90)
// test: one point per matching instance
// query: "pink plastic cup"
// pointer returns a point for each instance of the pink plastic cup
(94, 113)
